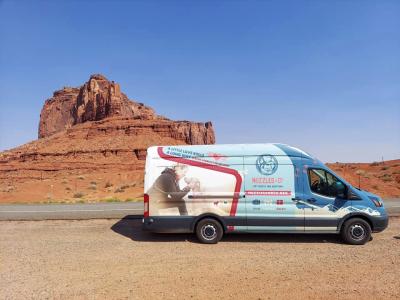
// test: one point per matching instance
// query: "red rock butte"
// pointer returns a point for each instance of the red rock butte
(96, 100)
(94, 132)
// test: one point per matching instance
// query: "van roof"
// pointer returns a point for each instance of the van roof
(242, 149)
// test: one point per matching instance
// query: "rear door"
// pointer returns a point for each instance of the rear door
(271, 182)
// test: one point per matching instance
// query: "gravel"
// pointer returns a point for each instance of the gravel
(99, 259)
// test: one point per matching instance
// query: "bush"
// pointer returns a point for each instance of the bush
(133, 199)
(108, 184)
(112, 200)
(78, 195)
(119, 190)
(360, 172)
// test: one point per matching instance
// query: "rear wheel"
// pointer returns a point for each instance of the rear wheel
(209, 231)
(356, 231)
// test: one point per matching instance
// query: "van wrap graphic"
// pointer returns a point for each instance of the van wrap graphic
(194, 159)
(270, 181)
(263, 186)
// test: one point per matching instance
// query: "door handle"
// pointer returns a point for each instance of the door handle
(311, 200)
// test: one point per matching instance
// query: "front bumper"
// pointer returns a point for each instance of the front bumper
(380, 223)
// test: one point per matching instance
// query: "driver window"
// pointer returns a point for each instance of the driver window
(324, 183)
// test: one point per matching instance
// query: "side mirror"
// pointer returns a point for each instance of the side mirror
(352, 195)
(341, 190)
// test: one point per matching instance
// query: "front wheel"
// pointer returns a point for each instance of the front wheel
(356, 231)
(209, 231)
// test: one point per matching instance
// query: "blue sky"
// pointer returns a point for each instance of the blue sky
(320, 75)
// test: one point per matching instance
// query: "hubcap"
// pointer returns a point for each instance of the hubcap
(357, 232)
(209, 232)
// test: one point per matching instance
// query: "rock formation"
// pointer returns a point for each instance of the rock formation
(95, 133)
(97, 99)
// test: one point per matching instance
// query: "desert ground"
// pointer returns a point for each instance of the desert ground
(121, 183)
(104, 259)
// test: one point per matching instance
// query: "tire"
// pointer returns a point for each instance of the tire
(356, 231)
(209, 231)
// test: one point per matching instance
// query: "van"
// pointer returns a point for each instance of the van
(213, 190)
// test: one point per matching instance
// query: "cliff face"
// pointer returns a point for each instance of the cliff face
(92, 146)
(97, 99)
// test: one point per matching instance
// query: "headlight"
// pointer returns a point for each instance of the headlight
(376, 201)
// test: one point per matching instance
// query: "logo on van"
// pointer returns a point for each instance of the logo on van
(266, 164)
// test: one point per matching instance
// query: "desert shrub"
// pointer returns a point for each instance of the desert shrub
(108, 184)
(93, 187)
(9, 188)
(386, 177)
(109, 199)
(113, 199)
(67, 188)
(64, 181)
(78, 195)
(375, 163)
(119, 190)
(384, 168)
(133, 199)
(81, 177)
(93, 183)
(360, 172)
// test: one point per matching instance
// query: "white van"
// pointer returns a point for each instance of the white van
(217, 189)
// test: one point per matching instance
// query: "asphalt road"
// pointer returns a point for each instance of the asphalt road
(29, 212)
(100, 211)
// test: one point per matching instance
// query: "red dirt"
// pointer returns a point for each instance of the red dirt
(381, 178)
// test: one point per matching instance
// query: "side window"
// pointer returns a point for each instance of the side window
(324, 183)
